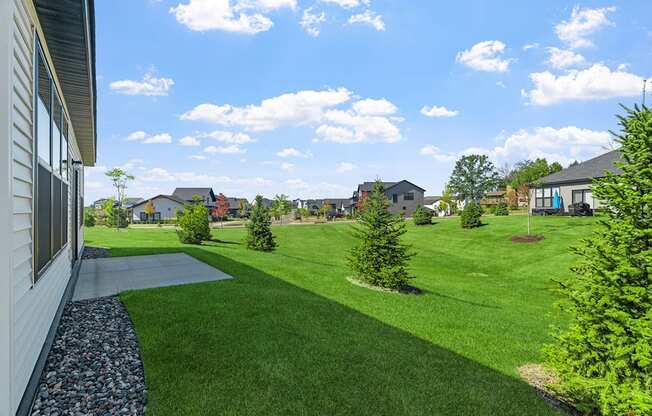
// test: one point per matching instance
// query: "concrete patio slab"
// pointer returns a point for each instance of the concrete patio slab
(110, 276)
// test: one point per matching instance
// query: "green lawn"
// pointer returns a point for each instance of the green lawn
(289, 335)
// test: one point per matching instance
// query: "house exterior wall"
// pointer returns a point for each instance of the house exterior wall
(566, 194)
(28, 308)
(165, 206)
(403, 206)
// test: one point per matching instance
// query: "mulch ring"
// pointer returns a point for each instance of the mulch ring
(540, 377)
(526, 238)
(405, 290)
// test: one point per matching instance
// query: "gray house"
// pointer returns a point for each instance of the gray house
(404, 196)
(205, 194)
(555, 193)
(165, 208)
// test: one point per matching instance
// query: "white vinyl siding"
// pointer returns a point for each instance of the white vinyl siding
(34, 305)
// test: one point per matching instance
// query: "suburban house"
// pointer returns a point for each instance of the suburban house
(165, 208)
(234, 206)
(267, 203)
(404, 196)
(188, 194)
(48, 115)
(127, 202)
(557, 192)
(493, 198)
(338, 206)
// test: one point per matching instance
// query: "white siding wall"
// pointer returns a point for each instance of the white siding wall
(165, 206)
(6, 211)
(34, 305)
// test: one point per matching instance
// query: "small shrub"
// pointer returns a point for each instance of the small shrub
(471, 215)
(501, 209)
(259, 228)
(116, 217)
(89, 218)
(193, 224)
(422, 216)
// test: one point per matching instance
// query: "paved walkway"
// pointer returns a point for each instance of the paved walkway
(110, 276)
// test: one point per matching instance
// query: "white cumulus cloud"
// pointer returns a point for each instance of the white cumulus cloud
(347, 4)
(189, 141)
(562, 145)
(343, 167)
(485, 56)
(245, 17)
(310, 21)
(370, 18)
(290, 109)
(292, 152)
(583, 23)
(143, 137)
(436, 111)
(231, 149)
(595, 83)
(561, 59)
(371, 107)
(149, 86)
(437, 154)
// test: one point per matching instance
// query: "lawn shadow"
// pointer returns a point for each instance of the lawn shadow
(259, 345)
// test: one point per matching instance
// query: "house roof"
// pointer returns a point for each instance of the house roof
(587, 170)
(427, 200)
(132, 201)
(170, 197)
(69, 30)
(187, 193)
(235, 202)
(368, 186)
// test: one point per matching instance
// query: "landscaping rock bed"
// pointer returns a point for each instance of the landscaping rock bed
(540, 378)
(95, 253)
(405, 290)
(94, 366)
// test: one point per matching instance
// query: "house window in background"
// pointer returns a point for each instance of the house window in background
(544, 197)
(583, 195)
(408, 196)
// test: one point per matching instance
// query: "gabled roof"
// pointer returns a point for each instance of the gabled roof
(170, 197)
(187, 193)
(368, 186)
(427, 200)
(235, 202)
(587, 170)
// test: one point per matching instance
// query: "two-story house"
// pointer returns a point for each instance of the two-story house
(404, 196)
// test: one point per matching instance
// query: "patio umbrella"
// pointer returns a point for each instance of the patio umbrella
(555, 201)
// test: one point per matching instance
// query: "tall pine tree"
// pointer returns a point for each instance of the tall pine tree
(604, 357)
(259, 228)
(380, 258)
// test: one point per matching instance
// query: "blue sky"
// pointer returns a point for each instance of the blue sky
(311, 98)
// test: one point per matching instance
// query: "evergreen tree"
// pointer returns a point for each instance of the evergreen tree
(422, 216)
(259, 231)
(471, 215)
(380, 258)
(193, 223)
(604, 357)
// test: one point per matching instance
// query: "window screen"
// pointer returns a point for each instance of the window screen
(43, 110)
(64, 214)
(43, 220)
(56, 136)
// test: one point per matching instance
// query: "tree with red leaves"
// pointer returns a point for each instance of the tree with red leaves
(221, 209)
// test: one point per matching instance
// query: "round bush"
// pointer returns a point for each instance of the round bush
(501, 209)
(422, 216)
(470, 217)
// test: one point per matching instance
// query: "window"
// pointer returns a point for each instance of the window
(408, 196)
(51, 169)
(143, 216)
(544, 197)
(395, 198)
(583, 195)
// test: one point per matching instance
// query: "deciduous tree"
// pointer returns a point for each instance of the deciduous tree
(472, 177)
(221, 209)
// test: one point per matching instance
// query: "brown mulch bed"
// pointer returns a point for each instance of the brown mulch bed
(405, 290)
(527, 238)
(540, 377)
